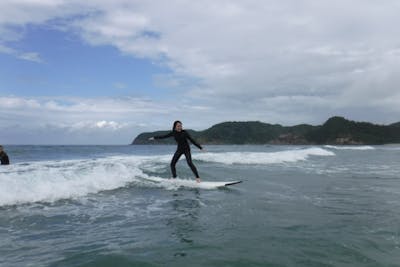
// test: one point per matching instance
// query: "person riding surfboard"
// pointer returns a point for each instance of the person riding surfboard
(183, 148)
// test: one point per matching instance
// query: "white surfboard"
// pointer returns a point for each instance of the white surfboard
(176, 183)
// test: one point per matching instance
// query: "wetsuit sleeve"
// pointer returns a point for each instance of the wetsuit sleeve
(193, 141)
(164, 136)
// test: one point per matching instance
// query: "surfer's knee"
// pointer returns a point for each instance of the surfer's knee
(190, 163)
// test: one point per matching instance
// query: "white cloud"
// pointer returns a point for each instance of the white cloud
(252, 50)
(83, 106)
(119, 85)
(29, 56)
(83, 126)
(85, 120)
(6, 50)
(110, 124)
(17, 103)
(285, 61)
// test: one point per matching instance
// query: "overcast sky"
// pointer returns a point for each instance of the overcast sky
(101, 72)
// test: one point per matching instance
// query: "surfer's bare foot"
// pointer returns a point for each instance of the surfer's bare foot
(198, 180)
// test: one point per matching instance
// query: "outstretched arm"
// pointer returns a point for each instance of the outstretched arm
(162, 136)
(193, 141)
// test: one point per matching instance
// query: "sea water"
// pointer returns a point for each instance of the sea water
(297, 206)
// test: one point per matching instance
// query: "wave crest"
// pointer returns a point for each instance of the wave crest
(350, 147)
(51, 181)
(263, 157)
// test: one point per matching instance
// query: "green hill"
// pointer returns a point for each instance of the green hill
(252, 132)
(336, 130)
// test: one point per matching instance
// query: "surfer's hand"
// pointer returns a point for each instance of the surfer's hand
(198, 180)
(151, 138)
(202, 150)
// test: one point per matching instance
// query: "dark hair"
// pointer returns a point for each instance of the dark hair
(175, 123)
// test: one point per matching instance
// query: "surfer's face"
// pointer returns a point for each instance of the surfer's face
(178, 127)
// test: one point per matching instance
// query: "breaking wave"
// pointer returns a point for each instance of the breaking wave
(53, 180)
(350, 147)
(49, 181)
(263, 157)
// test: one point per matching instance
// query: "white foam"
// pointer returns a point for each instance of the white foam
(49, 181)
(263, 157)
(350, 147)
(53, 180)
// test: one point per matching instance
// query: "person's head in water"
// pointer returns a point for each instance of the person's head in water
(177, 126)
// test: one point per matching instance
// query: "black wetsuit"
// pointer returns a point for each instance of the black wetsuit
(183, 148)
(4, 158)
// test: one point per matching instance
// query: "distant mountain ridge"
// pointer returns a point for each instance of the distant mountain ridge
(335, 131)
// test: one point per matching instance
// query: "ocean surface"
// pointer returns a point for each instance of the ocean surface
(105, 206)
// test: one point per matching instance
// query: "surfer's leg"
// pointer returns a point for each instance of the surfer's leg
(174, 160)
(190, 163)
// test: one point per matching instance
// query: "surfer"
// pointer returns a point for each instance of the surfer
(3, 157)
(181, 137)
